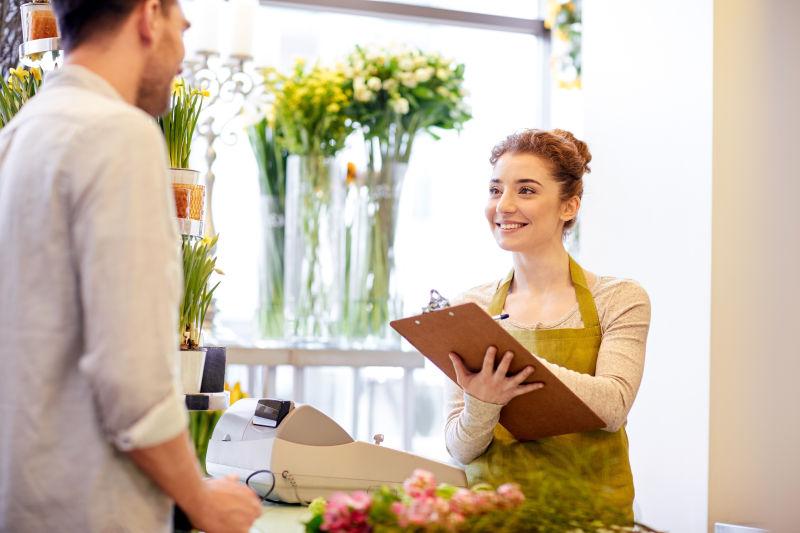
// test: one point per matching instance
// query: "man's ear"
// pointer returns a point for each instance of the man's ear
(570, 208)
(148, 19)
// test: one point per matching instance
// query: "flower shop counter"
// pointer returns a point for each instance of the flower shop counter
(283, 518)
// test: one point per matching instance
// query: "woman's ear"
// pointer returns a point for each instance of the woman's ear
(570, 208)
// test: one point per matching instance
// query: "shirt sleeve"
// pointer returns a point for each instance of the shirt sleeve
(470, 424)
(620, 360)
(127, 259)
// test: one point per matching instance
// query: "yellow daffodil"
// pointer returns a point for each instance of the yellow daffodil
(37, 73)
(20, 73)
(177, 86)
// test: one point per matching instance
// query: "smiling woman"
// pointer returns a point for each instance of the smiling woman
(589, 330)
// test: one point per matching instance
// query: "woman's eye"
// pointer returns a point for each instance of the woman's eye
(527, 190)
(494, 191)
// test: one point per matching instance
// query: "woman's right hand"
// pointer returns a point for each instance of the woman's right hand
(490, 385)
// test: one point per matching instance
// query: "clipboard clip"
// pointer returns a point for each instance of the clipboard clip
(437, 302)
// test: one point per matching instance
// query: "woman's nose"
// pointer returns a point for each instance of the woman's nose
(506, 203)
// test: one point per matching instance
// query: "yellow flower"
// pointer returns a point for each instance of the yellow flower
(37, 73)
(352, 172)
(20, 73)
(570, 84)
(333, 108)
(553, 7)
(177, 85)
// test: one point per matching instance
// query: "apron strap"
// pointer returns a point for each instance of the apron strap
(499, 298)
(586, 303)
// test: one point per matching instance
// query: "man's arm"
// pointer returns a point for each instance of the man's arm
(215, 505)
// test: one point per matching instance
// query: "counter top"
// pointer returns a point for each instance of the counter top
(282, 518)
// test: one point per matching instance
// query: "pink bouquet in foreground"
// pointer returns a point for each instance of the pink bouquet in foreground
(420, 505)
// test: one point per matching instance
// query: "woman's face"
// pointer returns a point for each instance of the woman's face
(524, 209)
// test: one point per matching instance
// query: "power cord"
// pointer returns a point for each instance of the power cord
(285, 475)
(265, 497)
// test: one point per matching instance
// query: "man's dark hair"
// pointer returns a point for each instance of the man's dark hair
(79, 19)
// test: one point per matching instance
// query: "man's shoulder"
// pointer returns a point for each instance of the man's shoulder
(85, 113)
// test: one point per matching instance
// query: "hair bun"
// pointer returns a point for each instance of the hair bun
(580, 146)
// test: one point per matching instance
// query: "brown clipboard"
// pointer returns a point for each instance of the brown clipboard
(468, 330)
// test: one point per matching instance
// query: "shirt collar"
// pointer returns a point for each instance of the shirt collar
(79, 76)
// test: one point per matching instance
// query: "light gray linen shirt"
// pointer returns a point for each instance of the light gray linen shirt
(89, 288)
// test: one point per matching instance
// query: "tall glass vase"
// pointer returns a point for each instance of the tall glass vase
(271, 159)
(271, 317)
(372, 299)
(314, 242)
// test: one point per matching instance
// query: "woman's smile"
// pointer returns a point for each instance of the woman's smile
(510, 227)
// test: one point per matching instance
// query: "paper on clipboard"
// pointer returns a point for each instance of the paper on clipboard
(468, 330)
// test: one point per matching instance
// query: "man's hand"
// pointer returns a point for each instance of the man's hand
(214, 506)
(224, 506)
(490, 385)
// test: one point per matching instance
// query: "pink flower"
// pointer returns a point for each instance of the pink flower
(400, 511)
(463, 502)
(485, 501)
(421, 511)
(420, 484)
(346, 513)
(510, 495)
(454, 520)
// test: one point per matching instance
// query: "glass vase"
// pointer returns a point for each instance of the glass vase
(271, 160)
(314, 245)
(271, 293)
(372, 299)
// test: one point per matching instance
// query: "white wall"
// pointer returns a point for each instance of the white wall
(647, 215)
(755, 359)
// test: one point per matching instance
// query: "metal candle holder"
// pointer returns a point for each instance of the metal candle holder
(233, 84)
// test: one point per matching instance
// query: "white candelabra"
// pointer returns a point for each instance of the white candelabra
(231, 79)
(232, 85)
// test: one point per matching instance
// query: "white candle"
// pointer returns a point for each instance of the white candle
(243, 14)
(205, 25)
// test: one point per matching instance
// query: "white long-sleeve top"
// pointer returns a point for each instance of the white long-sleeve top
(624, 311)
(89, 287)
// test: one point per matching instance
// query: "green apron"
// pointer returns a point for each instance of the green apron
(605, 453)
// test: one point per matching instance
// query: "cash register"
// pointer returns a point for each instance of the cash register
(293, 454)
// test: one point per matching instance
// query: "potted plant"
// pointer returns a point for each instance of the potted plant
(199, 263)
(15, 91)
(178, 125)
